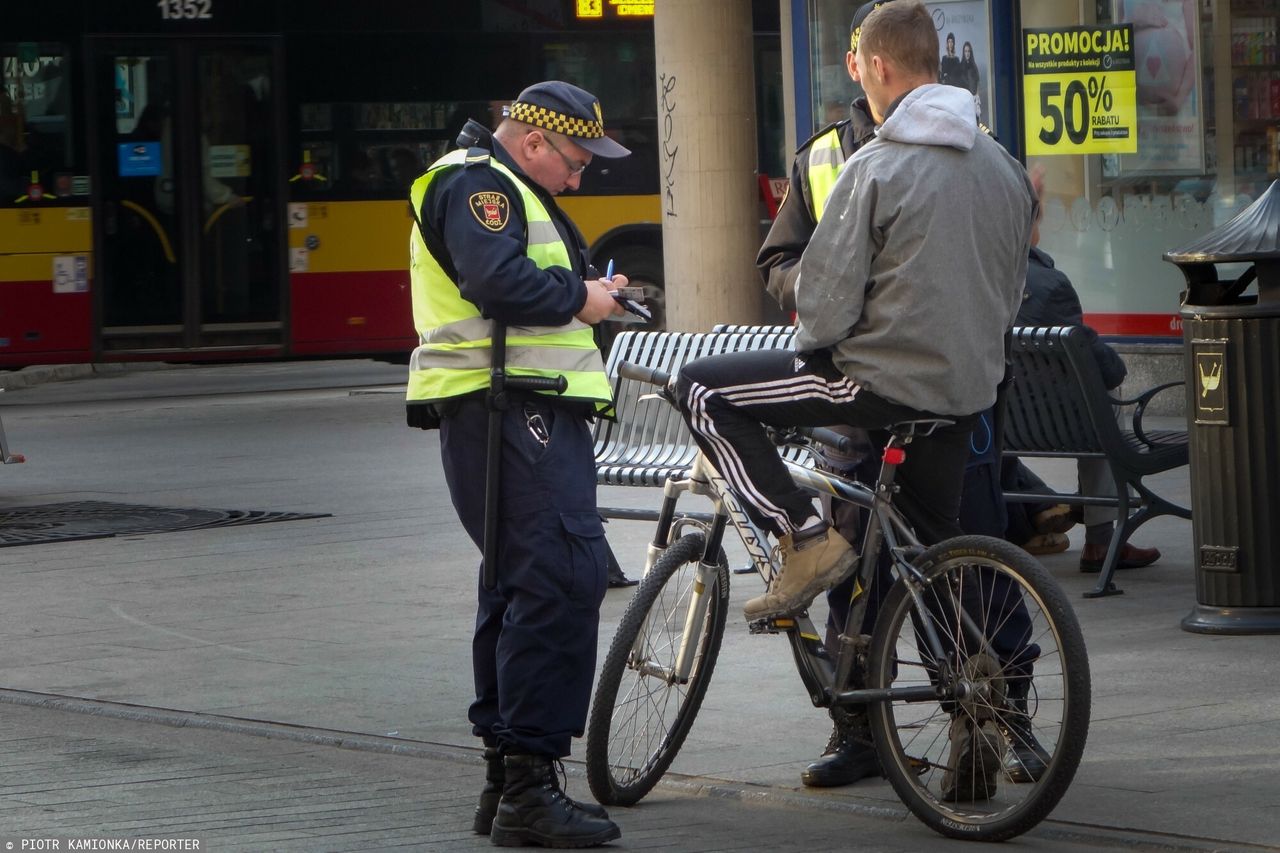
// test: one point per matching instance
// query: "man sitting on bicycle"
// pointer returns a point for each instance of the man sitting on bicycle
(901, 311)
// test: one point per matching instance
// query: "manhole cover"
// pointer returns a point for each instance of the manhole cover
(62, 522)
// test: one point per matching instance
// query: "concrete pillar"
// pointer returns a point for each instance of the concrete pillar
(707, 139)
(788, 77)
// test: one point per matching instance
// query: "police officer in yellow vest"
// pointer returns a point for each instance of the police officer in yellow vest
(490, 244)
(849, 755)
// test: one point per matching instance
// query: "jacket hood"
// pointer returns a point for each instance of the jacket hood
(933, 114)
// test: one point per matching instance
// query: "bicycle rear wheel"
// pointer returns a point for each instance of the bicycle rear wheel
(1010, 634)
(642, 712)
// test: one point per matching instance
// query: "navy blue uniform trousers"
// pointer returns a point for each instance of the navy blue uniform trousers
(534, 650)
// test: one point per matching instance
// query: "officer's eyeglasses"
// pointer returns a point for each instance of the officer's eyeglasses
(568, 164)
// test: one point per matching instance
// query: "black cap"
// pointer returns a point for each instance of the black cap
(855, 28)
(565, 109)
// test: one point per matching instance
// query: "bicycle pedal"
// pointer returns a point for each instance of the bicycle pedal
(772, 624)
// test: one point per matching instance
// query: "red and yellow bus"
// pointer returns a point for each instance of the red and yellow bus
(222, 179)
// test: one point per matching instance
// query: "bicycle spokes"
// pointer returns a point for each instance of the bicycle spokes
(987, 630)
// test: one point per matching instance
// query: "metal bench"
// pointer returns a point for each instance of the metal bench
(649, 441)
(1058, 407)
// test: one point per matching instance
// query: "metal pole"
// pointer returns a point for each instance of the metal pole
(496, 403)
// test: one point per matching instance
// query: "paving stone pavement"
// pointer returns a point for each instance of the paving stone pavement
(90, 779)
(361, 623)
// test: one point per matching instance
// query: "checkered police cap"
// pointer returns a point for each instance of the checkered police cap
(565, 109)
(855, 29)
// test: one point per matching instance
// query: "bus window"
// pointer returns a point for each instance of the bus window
(36, 151)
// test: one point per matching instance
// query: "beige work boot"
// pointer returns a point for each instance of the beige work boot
(813, 559)
(975, 762)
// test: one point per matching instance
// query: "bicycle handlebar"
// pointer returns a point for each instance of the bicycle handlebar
(652, 375)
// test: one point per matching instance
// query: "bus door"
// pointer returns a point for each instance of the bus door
(188, 194)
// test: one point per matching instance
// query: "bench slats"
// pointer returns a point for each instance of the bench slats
(649, 441)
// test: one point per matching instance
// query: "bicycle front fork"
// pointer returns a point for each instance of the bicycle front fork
(670, 527)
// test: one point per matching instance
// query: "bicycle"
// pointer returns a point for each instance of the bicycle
(943, 701)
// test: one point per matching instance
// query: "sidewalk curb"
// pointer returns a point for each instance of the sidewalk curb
(39, 374)
(698, 786)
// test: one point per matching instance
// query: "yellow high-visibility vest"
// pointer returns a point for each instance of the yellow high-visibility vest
(825, 159)
(453, 353)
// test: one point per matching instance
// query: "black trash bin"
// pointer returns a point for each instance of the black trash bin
(1232, 346)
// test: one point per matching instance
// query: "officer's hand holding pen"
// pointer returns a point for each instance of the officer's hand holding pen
(630, 298)
(600, 304)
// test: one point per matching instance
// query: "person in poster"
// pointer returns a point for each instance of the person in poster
(964, 34)
(961, 72)
(949, 67)
(968, 68)
(969, 77)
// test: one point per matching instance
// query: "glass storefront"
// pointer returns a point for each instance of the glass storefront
(1194, 83)
(1207, 106)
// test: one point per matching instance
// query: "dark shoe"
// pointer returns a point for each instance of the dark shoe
(975, 762)
(850, 755)
(491, 793)
(1026, 760)
(617, 579)
(534, 810)
(495, 776)
(1055, 519)
(1131, 557)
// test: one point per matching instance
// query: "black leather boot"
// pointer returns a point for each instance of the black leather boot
(495, 775)
(491, 793)
(850, 754)
(534, 810)
(1026, 759)
(617, 578)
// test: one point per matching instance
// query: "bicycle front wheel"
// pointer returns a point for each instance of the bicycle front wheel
(644, 707)
(993, 757)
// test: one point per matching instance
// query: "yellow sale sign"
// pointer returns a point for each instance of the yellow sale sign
(1080, 90)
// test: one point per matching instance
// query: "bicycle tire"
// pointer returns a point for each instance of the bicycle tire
(981, 577)
(632, 740)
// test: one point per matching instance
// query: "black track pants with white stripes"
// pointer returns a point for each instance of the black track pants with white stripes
(727, 400)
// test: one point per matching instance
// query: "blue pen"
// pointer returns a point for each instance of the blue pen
(608, 271)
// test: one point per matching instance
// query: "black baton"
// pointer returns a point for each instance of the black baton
(496, 401)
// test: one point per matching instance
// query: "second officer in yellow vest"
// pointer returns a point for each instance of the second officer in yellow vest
(849, 755)
(489, 244)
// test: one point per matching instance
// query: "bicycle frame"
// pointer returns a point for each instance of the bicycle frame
(886, 527)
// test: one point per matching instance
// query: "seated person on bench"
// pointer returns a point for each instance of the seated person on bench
(1051, 300)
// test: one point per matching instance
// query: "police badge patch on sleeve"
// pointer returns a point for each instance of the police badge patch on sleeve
(491, 209)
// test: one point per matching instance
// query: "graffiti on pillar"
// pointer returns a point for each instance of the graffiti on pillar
(669, 151)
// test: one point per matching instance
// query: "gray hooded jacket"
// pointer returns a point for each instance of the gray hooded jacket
(916, 269)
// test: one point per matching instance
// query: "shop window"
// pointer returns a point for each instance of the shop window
(1206, 109)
